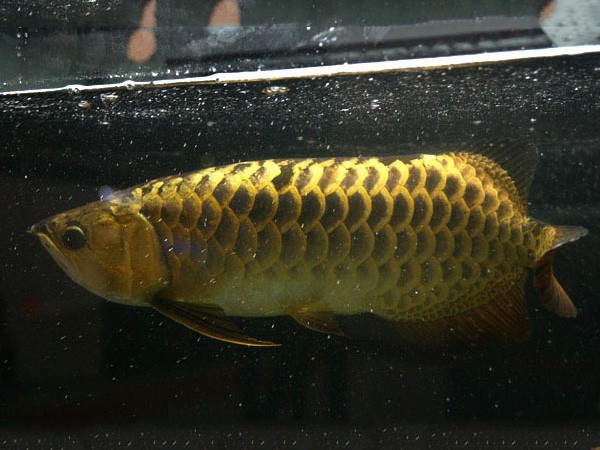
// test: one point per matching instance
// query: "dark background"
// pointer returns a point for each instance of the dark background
(81, 371)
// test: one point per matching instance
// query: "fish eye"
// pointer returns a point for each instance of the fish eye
(74, 237)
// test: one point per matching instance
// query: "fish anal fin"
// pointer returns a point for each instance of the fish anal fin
(501, 320)
(551, 294)
(209, 320)
(320, 321)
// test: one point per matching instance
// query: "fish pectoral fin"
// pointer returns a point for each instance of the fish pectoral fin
(501, 319)
(321, 321)
(209, 320)
(549, 290)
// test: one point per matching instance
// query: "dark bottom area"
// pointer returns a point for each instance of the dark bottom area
(480, 435)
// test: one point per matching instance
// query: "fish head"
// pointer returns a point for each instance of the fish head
(109, 248)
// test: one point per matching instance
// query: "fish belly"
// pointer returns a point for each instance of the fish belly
(406, 238)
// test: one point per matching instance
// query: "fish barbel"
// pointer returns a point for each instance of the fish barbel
(437, 244)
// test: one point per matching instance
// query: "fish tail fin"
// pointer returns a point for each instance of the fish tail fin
(565, 234)
(551, 294)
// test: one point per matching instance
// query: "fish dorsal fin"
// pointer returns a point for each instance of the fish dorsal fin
(519, 159)
(502, 319)
(209, 320)
(320, 321)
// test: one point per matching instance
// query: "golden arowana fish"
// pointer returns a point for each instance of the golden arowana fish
(437, 244)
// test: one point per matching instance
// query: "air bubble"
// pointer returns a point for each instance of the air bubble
(109, 98)
(275, 90)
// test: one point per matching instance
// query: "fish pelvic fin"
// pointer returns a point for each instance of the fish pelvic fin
(320, 321)
(503, 319)
(209, 320)
(551, 294)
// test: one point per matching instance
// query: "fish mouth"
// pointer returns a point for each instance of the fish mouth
(41, 231)
(48, 244)
(38, 229)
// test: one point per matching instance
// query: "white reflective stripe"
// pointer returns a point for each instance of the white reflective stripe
(440, 62)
